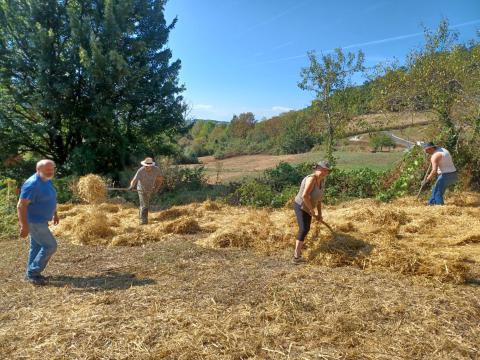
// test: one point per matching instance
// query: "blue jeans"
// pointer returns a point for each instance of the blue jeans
(443, 181)
(42, 246)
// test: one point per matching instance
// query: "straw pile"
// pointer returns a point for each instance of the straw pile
(404, 236)
(92, 189)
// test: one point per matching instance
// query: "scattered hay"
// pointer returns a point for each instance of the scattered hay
(183, 226)
(227, 239)
(345, 227)
(210, 205)
(467, 199)
(65, 207)
(469, 239)
(403, 236)
(92, 189)
(170, 214)
(109, 208)
(89, 227)
(339, 250)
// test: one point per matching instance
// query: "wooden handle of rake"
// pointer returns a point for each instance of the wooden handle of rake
(121, 189)
(328, 226)
(423, 181)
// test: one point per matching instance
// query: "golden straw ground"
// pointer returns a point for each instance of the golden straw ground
(404, 236)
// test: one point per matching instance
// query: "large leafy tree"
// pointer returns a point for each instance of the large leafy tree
(328, 77)
(441, 77)
(88, 83)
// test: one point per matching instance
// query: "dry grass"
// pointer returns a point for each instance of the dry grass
(404, 237)
(177, 300)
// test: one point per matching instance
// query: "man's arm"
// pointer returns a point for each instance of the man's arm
(435, 160)
(55, 219)
(134, 181)
(159, 182)
(22, 206)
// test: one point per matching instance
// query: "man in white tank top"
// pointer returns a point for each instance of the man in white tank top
(442, 165)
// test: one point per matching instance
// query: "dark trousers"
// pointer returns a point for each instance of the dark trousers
(304, 221)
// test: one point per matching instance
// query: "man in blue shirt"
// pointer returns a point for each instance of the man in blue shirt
(36, 207)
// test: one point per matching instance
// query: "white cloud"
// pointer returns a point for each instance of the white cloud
(281, 109)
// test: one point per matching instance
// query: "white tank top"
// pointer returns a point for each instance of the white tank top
(445, 164)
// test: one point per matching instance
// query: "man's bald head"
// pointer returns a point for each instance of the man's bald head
(46, 169)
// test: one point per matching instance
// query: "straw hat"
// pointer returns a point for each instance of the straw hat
(148, 162)
(323, 164)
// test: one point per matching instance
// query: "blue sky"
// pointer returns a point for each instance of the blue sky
(246, 55)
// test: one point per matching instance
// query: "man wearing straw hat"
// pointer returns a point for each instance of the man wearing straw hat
(36, 207)
(148, 180)
(442, 165)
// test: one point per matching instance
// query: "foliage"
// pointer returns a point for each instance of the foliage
(65, 187)
(329, 76)
(8, 200)
(380, 140)
(406, 177)
(87, 83)
(279, 185)
(443, 78)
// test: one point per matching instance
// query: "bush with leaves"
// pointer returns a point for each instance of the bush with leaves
(8, 200)
(406, 177)
(279, 185)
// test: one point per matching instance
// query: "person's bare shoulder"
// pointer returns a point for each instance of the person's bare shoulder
(436, 157)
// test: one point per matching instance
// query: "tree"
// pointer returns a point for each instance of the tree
(437, 77)
(88, 83)
(241, 125)
(328, 76)
(381, 140)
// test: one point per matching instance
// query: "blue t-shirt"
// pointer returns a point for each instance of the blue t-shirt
(43, 199)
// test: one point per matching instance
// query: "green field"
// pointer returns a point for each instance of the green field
(239, 167)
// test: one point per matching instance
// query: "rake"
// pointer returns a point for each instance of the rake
(423, 181)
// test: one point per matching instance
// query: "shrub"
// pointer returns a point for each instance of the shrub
(406, 177)
(8, 200)
(253, 193)
(65, 188)
(358, 183)
(279, 185)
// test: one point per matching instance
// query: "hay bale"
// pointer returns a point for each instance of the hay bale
(183, 226)
(92, 189)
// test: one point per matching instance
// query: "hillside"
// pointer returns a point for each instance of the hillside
(293, 132)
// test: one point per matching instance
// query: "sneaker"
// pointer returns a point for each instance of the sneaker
(298, 260)
(38, 280)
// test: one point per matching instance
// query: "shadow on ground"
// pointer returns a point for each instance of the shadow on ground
(344, 245)
(109, 281)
